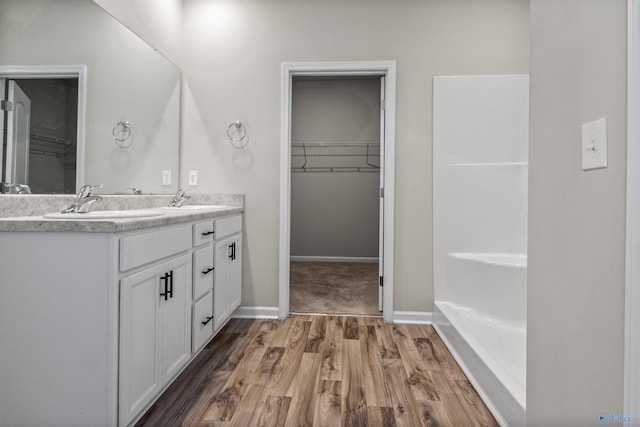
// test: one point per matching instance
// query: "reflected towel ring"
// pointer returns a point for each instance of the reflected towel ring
(237, 134)
(121, 133)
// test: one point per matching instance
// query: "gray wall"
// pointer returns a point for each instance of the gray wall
(576, 218)
(335, 213)
(231, 53)
(231, 62)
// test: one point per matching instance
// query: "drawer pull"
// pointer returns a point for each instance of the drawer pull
(207, 321)
(206, 233)
(168, 285)
(232, 251)
(207, 271)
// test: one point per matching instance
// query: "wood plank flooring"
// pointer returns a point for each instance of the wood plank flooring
(321, 371)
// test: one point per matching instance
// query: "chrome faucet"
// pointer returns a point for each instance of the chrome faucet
(15, 188)
(136, 191)
(179, 198)
(84, 200)
(22, 189)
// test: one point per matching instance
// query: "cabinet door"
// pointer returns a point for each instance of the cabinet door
(155, 332)
(234, 276)
(227, 283)
(139, 374)
(220, 309)
(175, 317)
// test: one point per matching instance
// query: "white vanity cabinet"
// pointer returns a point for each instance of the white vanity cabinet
(155, 315)
(95, 325)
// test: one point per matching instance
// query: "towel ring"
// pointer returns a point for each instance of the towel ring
(121, 133)
(237, 134)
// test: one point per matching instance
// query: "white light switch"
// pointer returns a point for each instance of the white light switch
(166, 177)
(594, 144)
(193, 177)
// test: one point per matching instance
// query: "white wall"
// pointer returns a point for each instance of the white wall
(335, 213)
(576, 219)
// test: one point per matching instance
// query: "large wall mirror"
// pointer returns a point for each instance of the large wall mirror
(85, 101)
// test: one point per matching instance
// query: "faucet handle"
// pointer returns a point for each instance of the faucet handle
(87, 190)
(135, 190)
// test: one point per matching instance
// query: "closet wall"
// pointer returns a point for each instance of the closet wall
(335, 209)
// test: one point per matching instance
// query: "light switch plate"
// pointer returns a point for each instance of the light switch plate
(193, 177)
(166, 177)
(594, 144)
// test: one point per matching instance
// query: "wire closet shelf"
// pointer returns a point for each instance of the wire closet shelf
(44, 145)
(335, 157)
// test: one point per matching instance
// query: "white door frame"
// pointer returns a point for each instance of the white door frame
(358, 68)
(59, 72)
(632, 263)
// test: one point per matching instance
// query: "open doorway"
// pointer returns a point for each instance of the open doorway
(39, 144)
(42, 126)
(335, 180)
(384, 72)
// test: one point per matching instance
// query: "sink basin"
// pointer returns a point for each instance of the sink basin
(104, 215)
(192, 207)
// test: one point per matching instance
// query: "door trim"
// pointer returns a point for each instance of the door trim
(632, 263)
(59, 72)
(357, 68)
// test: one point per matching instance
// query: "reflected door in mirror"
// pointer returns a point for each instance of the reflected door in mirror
(41, 136)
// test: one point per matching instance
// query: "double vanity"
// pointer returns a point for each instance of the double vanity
(99, 312)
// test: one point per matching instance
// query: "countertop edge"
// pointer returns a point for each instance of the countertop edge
(41, 224)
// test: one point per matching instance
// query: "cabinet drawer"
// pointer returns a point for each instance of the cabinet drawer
(148, 247)
(202, 271)
(203, 232)
(202, 322)
(229, 225)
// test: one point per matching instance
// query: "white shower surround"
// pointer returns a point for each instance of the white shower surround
(480, 156)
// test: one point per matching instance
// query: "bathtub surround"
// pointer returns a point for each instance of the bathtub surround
(480, 231)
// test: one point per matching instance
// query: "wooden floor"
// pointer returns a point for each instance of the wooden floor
(321, 371)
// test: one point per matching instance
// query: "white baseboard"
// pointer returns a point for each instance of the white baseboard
(415, 317)
(334, 259)
(256, 312)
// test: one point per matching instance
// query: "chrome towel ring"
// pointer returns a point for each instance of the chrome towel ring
(122, 133)
(237, 134)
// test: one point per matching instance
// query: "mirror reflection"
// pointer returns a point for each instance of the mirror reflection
(60, 128)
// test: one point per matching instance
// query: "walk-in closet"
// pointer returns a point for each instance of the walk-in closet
(335, 194)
